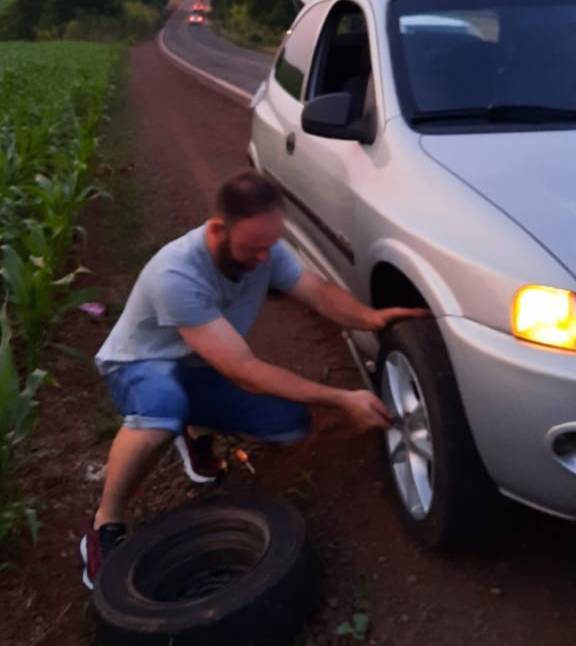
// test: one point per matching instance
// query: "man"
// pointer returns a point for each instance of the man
(177, 356)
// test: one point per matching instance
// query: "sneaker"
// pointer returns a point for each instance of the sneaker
(96, 545)
(201, 464)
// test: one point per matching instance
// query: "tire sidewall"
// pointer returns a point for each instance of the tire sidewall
(267, 592)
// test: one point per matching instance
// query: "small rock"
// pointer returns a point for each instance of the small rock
(404, 619)
(496, 592)
(412, 579)
(95, 472)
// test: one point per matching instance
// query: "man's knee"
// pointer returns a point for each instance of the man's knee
(150, 397)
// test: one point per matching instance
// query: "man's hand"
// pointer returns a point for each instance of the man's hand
(338, 305)
(382, 318)
(366, 411)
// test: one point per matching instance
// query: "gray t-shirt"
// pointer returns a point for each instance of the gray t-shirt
(181, 286)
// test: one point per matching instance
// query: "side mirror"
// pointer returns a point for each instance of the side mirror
(330, 116)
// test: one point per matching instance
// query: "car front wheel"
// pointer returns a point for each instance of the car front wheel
(443, 493)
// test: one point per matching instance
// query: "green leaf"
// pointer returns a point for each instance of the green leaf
(344, 628)
(25, 408)
(9, 383)
(43, 182)
(38, 261)
(361, 621)
(15, 275)
(69, 278)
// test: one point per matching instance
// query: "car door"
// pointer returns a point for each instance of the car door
(278, 103)
(327, 170)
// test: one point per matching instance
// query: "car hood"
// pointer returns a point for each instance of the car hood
(530, 175)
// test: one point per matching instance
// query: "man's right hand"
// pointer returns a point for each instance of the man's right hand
(366, 411)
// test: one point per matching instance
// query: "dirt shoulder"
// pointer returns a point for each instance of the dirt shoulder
(173, 142)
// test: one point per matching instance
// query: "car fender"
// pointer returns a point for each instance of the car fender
(437, 293)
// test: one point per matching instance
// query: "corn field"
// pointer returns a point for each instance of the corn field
(52, 100)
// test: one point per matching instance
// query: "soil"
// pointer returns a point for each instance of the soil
(177, 140)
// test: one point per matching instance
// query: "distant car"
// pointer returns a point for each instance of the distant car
(196, 19)
(426, 149)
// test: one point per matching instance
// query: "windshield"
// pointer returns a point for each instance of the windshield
(485, 62)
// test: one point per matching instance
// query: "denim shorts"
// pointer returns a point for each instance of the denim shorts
(171, 395)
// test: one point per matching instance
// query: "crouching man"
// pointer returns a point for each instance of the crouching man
(177, 357)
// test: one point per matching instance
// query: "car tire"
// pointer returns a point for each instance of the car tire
(442, 491)
(232, 570)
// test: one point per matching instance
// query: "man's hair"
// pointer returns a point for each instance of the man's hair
(247, 194)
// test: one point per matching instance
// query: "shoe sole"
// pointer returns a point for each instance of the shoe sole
(180, 444)
(84, 554)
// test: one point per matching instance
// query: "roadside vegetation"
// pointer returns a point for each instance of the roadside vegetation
(53, 97)
(94, 20)
(258, 24)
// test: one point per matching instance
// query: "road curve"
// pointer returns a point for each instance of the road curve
(200, 50)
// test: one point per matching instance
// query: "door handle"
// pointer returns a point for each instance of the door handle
(290, 143)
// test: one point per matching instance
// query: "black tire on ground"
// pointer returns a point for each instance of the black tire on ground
(231, 570)
(463, 496)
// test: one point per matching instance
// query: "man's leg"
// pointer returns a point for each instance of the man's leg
(156, 410)
(217, 403)
(133, 455)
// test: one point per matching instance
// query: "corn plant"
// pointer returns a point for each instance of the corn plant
(37, 297)
(58, 202)
(51, 101)
(52, 98)
(17, 416)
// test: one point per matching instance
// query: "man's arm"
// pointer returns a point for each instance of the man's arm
(338, 305)
(226, 351)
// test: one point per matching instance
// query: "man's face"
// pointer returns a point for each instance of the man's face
(247, 243)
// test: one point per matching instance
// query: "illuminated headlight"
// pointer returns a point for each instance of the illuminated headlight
(545, 315)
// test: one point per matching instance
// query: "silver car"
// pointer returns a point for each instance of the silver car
(427, 152)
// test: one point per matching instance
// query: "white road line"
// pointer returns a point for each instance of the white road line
(229, 87)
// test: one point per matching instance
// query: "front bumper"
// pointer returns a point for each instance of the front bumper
(521, 405)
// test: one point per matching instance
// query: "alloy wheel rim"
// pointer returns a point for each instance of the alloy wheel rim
(409, 440)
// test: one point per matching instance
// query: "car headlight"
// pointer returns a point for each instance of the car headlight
(545, 315)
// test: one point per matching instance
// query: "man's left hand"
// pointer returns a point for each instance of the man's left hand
(384, 317)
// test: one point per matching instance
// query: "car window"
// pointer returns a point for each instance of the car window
(294, 59)
(342, 59)
(503, 58)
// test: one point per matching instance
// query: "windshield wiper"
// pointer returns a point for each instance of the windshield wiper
(498, 114)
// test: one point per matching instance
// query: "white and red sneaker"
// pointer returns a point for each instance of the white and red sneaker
(200, 462)
(96, 545)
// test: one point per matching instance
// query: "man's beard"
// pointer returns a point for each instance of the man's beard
(231, 268)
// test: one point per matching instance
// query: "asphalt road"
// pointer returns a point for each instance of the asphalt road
(202, 48)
